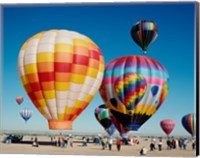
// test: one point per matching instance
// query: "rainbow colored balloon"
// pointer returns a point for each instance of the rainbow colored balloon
(133, 89)
(144, 33)
(61, 71)
(130, 89)
(188, 122)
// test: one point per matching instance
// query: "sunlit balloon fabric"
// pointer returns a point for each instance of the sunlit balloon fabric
(144, 33)
(19, 100)
(61, 72)
(102, 116)
(133, 88)
(167, 125)
(26, 113)
(188, 122)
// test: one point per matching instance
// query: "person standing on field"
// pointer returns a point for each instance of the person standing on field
(119, 143)
(110, 142)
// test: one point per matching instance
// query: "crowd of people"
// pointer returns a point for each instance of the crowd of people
(64, 141)
(171, 142)
(107, 143)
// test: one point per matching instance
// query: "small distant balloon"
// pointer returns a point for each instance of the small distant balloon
(167, 125)
(26, 114)
(19, 99)
(144, 33)
(188, 122)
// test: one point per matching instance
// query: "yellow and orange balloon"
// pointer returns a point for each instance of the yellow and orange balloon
(61, 72)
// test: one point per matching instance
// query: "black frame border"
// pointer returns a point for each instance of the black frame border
(197, 77)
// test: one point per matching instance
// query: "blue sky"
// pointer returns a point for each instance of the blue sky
(109, 26)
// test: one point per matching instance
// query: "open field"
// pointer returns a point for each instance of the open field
(46, 147)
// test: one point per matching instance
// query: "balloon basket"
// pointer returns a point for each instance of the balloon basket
(60, 125)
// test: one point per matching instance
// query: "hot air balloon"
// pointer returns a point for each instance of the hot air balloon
(133, 89)
(19, 100)
(26, 114)
(188, 122)
(167, 125)
(61, 72)
(144, 33)
(102, 116)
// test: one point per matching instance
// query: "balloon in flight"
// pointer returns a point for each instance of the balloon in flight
(61, 71)
(19, 99)
(167, 125)
(26, 114)
(188, 122)
(102, 116)
(133, 89)
(144, 33)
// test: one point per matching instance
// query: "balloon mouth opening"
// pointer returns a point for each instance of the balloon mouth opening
(60, 125)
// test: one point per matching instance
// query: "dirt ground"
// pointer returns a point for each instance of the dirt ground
(91, 149)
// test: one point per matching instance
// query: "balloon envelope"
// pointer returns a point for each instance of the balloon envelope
(26, 114)
(61, 72)
(133, 89)
(102, 116)
(188, 122)
(19, 100)
(167, 125)
(144, 33)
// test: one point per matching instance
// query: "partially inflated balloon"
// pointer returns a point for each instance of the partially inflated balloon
(167, 125)
(144, 33)
(188, 122)
(102, 116)
(61, 72)
(133, 89)
(19, 100)
(26, 114)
